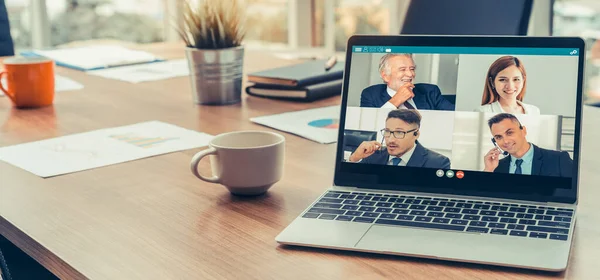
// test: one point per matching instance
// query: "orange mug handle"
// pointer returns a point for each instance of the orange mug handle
(2, 87)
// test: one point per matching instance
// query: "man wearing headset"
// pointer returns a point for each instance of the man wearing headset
(522, 157)
(402, 148)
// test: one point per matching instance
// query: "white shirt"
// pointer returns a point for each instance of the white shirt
(497, 108)
(389, 105)
(404, 158)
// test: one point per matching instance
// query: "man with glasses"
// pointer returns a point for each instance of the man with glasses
(402, 148)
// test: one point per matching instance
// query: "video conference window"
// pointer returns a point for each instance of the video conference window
(473, 109)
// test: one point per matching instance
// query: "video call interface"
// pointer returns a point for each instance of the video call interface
(455, 110)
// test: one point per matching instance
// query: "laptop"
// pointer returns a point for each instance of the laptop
(488, 177)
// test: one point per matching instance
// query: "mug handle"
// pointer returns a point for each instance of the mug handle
(196, 159)
(2, 87)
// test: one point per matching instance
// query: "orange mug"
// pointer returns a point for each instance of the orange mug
(29, 81)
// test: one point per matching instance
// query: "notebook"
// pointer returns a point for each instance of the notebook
(305, 93)
(95, 57)
(464, 181)
(298, 75)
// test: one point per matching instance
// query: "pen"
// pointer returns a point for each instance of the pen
(330, 63)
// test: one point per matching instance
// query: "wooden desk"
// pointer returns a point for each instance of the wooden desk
(152, 219)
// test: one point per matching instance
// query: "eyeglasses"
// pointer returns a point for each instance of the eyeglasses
(397, 134)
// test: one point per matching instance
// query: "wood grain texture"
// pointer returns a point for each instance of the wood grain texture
(152, 219)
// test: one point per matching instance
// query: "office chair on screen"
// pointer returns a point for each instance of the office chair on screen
(4, 267)
(468, 17)
(6, 42)
(353, 138)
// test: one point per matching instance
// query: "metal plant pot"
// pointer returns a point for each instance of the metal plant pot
(216, 75)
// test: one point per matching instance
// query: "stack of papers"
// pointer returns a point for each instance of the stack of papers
(95, 57)
(102, 147)
(319, 125)
(145, 72)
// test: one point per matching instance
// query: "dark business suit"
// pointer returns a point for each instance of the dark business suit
(545, 163)
(427, 97)
(421, 157)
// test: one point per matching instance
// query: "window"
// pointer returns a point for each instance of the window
(139, 21)
(267, 22)
(18, 15)
(582, 19)
(352, 17)
(360, 17)
(321, 24)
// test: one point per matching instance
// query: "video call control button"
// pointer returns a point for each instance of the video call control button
(440, 173)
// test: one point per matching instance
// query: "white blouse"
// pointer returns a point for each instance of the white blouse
(497, 108)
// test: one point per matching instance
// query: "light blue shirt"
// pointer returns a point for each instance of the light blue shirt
(404, 158)
(527, 162)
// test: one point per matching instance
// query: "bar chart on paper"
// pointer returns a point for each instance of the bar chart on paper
(142, 142)
(102, 147)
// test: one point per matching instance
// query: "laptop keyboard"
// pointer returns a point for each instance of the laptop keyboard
(444, 214)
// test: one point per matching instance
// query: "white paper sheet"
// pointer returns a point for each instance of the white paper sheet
(102, 147)
(64, 84)
(96, 57)
(320, 125)
(145, 72)
(60, 84)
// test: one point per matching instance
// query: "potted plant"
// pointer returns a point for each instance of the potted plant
(213, 31)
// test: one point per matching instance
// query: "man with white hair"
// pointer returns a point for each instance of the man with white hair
(398, 72)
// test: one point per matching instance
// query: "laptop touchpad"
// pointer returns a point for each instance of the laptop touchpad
(323, 233)
(466, 246)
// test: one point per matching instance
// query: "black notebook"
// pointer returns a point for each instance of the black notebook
(307, 93)
(298, 75)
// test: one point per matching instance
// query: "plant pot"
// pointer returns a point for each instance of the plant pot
(216, 75)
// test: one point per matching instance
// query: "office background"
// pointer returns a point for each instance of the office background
(436, 126)
(290, 28)
(472, 136)
(306, 28)
(437, 69)
(546, 76)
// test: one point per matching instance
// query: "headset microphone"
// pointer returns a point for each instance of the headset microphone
(505, 153)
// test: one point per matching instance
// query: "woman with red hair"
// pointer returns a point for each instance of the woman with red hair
(504, 89)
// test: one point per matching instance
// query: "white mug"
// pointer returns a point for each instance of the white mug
(246, 162)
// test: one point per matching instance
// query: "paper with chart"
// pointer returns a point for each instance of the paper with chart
(145, 72)
(102, 147)
(320, 124)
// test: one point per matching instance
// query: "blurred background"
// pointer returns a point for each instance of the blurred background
(273, 23)
(317, 27)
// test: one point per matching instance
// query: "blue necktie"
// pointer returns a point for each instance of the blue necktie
(518, 162)
(396, 161)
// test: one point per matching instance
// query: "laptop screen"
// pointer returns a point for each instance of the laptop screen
(462, 117)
